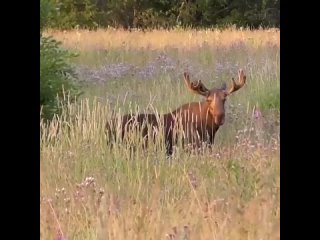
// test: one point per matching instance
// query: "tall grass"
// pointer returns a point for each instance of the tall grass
(90, 191)
(159, 39)
(98, 193)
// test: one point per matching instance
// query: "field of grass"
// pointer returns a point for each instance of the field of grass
(88, 191)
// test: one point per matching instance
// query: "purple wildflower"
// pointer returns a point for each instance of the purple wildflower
(257, 114)
(60, 237)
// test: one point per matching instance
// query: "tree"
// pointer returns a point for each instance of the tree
(56, 74)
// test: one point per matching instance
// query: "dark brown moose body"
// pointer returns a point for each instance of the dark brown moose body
(131, 122)
(199, 121)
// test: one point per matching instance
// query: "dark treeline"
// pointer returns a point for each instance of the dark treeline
(146, 14)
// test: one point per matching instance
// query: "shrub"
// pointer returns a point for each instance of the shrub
(56, 74)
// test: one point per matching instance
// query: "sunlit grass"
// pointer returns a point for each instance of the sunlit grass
(85, 40)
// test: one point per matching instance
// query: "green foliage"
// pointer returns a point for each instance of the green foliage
(166, 14)
(71, 13)
(56, 74)
(46, 10)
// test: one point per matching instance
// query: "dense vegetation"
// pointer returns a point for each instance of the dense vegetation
(165, 13)
(57, 77)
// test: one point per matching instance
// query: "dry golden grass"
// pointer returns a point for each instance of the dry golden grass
(89, 191)
(103, 39)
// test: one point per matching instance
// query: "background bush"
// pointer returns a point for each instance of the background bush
(57, 77)
(166, 13)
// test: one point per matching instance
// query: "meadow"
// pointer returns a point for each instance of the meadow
(88, 191)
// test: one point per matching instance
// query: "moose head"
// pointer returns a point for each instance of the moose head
(215, 98)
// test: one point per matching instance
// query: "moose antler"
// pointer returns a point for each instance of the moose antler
(236, 86)
(196, 87)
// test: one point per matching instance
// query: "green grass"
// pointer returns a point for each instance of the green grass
(229, 192)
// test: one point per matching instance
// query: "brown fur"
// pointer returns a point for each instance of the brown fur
(133, 122)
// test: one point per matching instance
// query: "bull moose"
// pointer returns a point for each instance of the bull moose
(199, 121)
